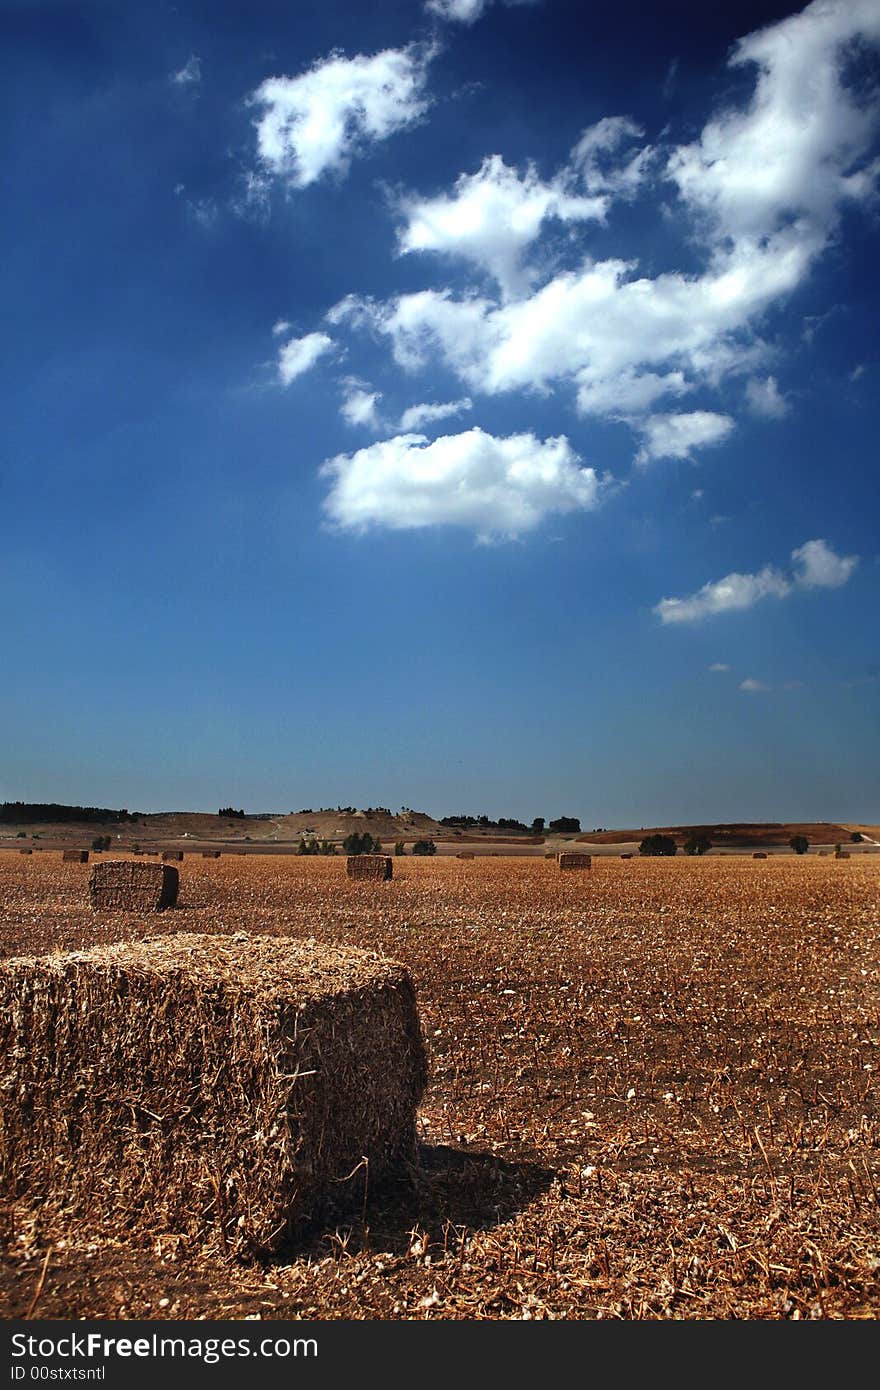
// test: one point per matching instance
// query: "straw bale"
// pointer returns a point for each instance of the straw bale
(465, 854)
(572, 860)
(626, 856)
(759, 854)
(169, 855)
(370, 866)
(75, 856)
(25, 851)
(212, 1086)
(841, 854)
(210, 854)
(123, 885)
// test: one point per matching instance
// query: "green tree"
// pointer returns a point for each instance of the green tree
(799, 843)
(538, 825)
(399, 848)
(658, 845)
(856, 837)
(697, 844)
(424, 847)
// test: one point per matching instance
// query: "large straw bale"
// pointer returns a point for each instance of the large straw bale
(75, 856)
(212, 1086)
(171, 855)
(572, 860)
(375, 866)
(123, 885)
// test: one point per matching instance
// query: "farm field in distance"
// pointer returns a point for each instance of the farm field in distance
(653, 1093)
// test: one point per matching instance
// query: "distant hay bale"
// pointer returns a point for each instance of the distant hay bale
(210, 854)
(572, 860)
(123, 886)
(211, 1086)
(841, 854)
(626, 856)
(465, 854)
(171, 855)
(25, 851)
(75, 856)
(370, 866)
(759, 854)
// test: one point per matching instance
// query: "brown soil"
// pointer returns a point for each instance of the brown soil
(653, 1094)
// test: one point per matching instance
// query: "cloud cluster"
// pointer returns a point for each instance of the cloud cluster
(676, 436)
(815, 566)
(496, 487)
(315, 123)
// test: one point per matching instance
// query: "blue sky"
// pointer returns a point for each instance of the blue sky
(464, 405)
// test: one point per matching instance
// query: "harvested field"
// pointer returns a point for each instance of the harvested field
(656, 1098)
(123, 886)
(75, 856)
(290, 1065)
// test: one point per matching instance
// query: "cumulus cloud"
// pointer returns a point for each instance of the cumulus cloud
(190, 74)
(359, 406)
(763, 186)
(719, 666)
(496, 487)
(299, 354)
(753, 686)
(492, 217)
(765, 399)
(315, 123)
(676, 436)
(815, 566)
(427, 412)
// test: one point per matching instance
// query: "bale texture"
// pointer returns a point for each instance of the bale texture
(75, 856)
(123, 886)
(374, 866)
(210, 1086)
(573, 860)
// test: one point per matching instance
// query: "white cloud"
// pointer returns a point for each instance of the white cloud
(675, 436)
(299, 354)
(764, 186)
(280, 327)
(765, 399)
(492, 217)
(464, 11)
(793, 155)
(753, 686)
(593, 156)
(719, 666)
(497, 487)
(359, 407)
(461, 11)
(316, 122)
(733, 592)
(190, 74)
(815, 566)
(427, 413)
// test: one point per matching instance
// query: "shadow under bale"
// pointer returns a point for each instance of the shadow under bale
(445, 1187)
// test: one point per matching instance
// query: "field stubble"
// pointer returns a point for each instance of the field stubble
(653, 1094)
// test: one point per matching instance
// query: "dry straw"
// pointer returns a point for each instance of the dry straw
(122, 885)
(75, 856)
(215, 1087)
(575, 861)
(369, 866)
